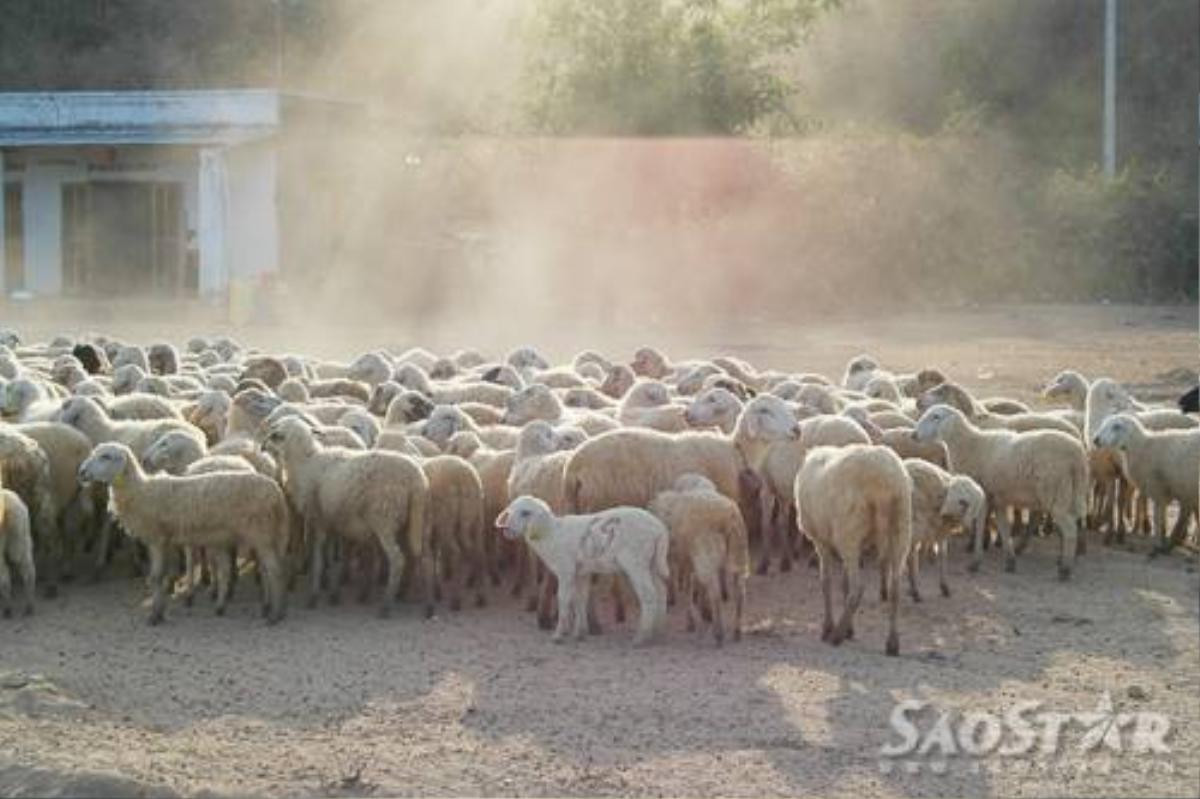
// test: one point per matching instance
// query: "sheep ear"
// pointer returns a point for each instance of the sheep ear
(502, 519)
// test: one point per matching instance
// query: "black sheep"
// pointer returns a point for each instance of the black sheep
(1190, 402)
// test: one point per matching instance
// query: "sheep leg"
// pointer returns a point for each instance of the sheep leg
(976, 548)
(446, 560)
(739, 599)
(942, 582)
(49, 539)
(648, 601)
(1005, 528)
(566, 607)
(893, 640)
(274, 584)
(396, 562)
(618, 597)
(316, 548)
(1159, 530)
(689, 591)
(158, 583)
(912, 568)
(1180, 531)
(5, 587)
(1124, 491)
(1143, 514)
(223, 565)
(712, 595)
(1068, 527)
(852, 591)
(1024, 522)
(540, 575)
(825, 564)
(767, 530)
(544, 601)
(578, 616)
(523, 557)
(189, 575)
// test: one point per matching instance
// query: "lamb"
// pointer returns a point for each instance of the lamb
(624, 540)
(16, 549)
(358, 495)
(28, 401)
(1163, 464)
(456, 523)
(848, 499)
(86, 415)
(859, 372)
(618, 381)
(715, 407)
(708, 538)
(940, 503)
(493, 468)
(214, 511)
(1041, 470)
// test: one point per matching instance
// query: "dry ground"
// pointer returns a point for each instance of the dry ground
(337, 702)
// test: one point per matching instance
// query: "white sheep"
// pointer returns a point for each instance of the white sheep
(361, 496)
(942, 503)
(849, 499)
(456, 524)
(623, 540)
(16, 550)
(648, 404)
(214, 511)
(1163, 464)
(1040, 470)
(708, 540)
(87, 416)
(446, 420)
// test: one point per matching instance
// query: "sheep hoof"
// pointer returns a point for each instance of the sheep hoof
(558, 637)
(50, 591)
(785, 565)
(545, 622)
(8, 613)
(1010, 565)
(429, 611)
(219, 610)
(29, 610)
(531, 604)
(456, 604)
(915, 596)
(945, 590)
(385, 610)
(311, 602)
(827, 633)
(763, 568)
(973, 566)
(335, 598)
(154, 619)
(893, 645)
(737, 633)
(480, 601)
(1064, 573)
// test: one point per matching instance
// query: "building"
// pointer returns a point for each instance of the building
(119, 193)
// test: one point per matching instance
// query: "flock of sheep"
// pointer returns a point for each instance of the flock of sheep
(439, 476)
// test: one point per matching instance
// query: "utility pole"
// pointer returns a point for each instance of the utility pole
(1110, 88)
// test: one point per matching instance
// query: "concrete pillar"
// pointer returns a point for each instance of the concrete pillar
(42, 200)
(3, 237)
(212, 203)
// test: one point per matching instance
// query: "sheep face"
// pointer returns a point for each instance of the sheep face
(1112, 395)
(286, 433)
(503, 375)
(570, 437)
(535, 401)
(618, 381)
(964, 501)
(107, 464)
(172, 449)
(409, 406)
(78, 410)
(382, 396)
(714, 407)
(526, 358)
(693, 381)
(944, 394)
(1114, 432)
(126, 377)
(648, 394)
(362, 425)
(527, 517)
(443, 422)
(649, 362)
(19, 395)
(537, 438)
(768, 418)
(933, 422)
(1064, 385)
(412, 378)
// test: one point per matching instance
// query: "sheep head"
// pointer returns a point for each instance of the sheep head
(109, 463)
(527, 517)
(934, 423)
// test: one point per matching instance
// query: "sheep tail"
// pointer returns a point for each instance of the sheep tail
(887, 530)
(572, 490)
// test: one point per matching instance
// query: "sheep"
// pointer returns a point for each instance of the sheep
(39, 462)
(1189, 401)
(589, 398)
(1041, 470)
(139, 406)
(269, 370)
(456, 523)
(362, 424)
(91, 358)
(940, 503)
(446, 420)
(163, 359)
(914, 385)
(630, 467)
(523, 358)
(16, 549)
(28, 401)
(493, 468)
(882, 386)
(87, 416)
(648, 404)
(537, 401)
(175, 453)
(780, 465)
(293, 390)
(130, 355)
(859, 372)
(214, 511)
(503, 375)
(358, 495)
(618, 381)
(1163, 464)
(371, 369)
(623, 540)
(339, 388)
(406, 407)
(443, 369)
(467, 358)
(847, 500)
(715, 407)
(693, 381)
(537, 470)
(708, 538)
(957, 397)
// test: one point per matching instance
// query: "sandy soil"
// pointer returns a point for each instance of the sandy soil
(337, 702)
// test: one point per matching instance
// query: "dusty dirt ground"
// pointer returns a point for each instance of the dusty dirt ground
(338, 702)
